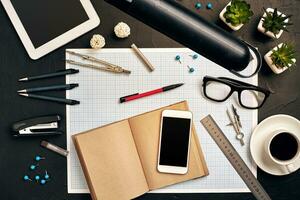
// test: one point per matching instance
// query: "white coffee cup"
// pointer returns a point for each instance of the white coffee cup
(288, 164)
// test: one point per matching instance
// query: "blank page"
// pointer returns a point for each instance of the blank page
(111, 163)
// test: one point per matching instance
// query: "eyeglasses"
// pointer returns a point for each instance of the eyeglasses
(220, 89)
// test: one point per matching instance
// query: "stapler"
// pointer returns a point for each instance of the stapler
(39, 126)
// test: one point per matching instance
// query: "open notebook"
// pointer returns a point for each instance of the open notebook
(119, 160)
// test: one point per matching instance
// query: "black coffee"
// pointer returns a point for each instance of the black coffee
(284, 146)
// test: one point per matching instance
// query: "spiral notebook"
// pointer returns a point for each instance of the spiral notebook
(99, 94)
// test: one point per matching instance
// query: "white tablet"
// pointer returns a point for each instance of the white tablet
(45, 25)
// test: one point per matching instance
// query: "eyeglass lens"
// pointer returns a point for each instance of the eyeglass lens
(217, 90)
(252, 98)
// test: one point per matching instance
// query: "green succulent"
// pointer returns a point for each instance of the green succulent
(274, 22)
(238, 12)
(284, 56)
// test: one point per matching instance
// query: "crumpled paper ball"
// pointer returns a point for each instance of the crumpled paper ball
(97, 41)
(122, 30)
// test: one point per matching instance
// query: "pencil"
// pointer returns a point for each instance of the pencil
(143, 57)
(49, 88)
(47, 98)
(50, 75)
(55, 148)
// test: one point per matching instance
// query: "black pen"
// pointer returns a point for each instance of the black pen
(48, 88)
(55, 74)
(56, 99)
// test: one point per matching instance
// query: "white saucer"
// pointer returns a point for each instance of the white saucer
(258, 138)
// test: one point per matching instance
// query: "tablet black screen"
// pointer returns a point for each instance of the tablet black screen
(44, 20)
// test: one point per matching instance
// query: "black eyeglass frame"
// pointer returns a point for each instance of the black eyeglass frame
(235, 86)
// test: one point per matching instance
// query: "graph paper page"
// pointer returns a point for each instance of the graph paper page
(99, 94)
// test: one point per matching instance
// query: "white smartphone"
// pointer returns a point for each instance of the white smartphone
(175, 134)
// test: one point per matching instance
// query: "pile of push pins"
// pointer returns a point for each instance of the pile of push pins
(38, 178)
(198, 6)
(194, 57)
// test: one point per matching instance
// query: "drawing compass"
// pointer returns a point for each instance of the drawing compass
(105, 66)
(235, 122)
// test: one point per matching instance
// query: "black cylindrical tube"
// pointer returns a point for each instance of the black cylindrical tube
(189, 29)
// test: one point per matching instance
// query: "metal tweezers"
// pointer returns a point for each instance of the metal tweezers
(107, 66)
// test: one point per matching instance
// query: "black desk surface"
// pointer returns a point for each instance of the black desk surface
(17, 154)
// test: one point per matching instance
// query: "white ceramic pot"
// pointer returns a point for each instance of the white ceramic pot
(221, 16)
(260, 27)
(269, 61)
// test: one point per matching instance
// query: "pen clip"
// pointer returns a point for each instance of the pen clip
(123, 99)
(70, 69)
(61, 70)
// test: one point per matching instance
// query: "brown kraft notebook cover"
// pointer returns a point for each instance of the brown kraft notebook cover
(119, 160)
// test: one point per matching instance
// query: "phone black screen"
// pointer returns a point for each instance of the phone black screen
(45, 20)
(174, 141)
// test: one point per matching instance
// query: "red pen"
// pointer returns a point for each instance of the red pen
(137, 95)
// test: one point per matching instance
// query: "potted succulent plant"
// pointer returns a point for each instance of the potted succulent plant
(281, 57)
(236, 14)
(273, 23)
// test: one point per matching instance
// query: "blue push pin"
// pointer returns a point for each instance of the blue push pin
(191, 69)
(43, 181)
(209, 6)
(33, 167)
(38, 158)
(177, 58)
(37, 178)
(26, 178)
(195, 56)
(198, 5)
(46, 176)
